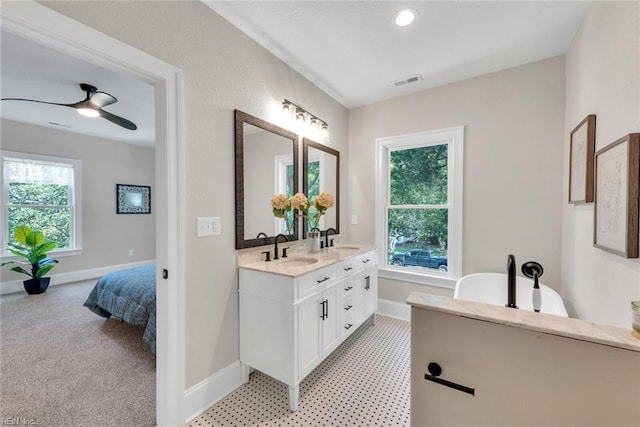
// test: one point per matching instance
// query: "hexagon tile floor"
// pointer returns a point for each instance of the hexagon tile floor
(364, 382)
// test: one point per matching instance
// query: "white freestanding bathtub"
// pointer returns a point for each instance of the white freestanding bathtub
(491, 288)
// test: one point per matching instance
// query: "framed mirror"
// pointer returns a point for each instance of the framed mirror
(266, 164)
(321, 173)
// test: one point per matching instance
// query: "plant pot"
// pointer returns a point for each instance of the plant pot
(36, 286)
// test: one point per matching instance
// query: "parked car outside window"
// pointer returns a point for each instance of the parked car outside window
(420, 258)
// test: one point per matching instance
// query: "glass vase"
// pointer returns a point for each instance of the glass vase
(313, 242)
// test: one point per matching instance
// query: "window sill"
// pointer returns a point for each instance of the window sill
(434, 279)
(60, 253)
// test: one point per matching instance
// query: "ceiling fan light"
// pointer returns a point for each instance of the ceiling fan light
(88, 112)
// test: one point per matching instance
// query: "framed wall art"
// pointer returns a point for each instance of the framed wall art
(617, 208)
(133, 199)
(581, 152)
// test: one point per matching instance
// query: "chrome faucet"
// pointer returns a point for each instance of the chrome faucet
(326, 236)
(275, 249)
(511, 282)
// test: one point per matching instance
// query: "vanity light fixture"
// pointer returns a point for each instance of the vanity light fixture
(405, 17)
(305, 117)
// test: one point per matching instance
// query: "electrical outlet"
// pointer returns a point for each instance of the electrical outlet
(131, 252)
(354, 219)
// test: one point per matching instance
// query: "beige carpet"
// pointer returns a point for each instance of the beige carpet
(364, 382)
(62, 365)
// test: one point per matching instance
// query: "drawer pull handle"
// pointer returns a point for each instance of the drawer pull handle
(349, 326)
(348, 289)
(367, 283)
(364, 261)
(349, 307)
(434, 372)
(323, 280)
(348, 268)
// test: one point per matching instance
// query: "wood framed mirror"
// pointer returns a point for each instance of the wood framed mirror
(266, 164)
(321, 173)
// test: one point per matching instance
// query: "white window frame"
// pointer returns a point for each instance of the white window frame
(75, 237)
(454, 137)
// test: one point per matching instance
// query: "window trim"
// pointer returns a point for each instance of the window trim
(454, 137)
(76, 197)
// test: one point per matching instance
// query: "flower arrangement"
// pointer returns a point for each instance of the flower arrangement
(312, 211)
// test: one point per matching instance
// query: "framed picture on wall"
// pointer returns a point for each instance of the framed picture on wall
(617, 208)
(133, 199)
(581, 151)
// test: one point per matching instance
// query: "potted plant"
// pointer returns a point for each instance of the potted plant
(32, 246)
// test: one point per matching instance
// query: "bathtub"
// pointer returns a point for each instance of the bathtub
(491, 288)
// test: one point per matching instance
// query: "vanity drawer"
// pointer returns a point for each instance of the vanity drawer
(347, 325)
(347, 289)
(348, 306)
(316, 281)
(364, 261)
(345, 268)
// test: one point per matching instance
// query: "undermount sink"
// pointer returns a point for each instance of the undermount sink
(298, 262)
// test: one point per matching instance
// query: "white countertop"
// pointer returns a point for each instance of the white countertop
(612, 336)
(324, 258)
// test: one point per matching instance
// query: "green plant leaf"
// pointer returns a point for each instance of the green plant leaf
(21, 270)
(21, 253)
(21, 232)
(35, 239)
(44, 269)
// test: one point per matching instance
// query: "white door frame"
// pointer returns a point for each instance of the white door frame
(47, 27)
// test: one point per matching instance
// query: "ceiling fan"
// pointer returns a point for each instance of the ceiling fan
(91, 106)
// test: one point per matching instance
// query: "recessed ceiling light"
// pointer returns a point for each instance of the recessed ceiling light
(406, 17)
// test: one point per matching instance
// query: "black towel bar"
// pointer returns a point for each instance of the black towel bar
(434, 372)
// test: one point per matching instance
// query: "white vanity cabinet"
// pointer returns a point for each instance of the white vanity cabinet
(291, 319)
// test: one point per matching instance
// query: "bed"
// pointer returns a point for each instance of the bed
(129, 295)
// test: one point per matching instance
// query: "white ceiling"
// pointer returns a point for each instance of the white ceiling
(350, 49)
(33, 71)
(354, 52)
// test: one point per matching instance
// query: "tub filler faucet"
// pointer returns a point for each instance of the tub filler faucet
(511, 282)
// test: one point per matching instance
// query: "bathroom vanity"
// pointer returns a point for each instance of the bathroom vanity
(295, 311)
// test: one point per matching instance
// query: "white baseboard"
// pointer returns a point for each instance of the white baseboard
(12, 286)
(394, 309)
(209, 391)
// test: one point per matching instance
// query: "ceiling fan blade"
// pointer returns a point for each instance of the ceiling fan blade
(39, 102)
(102, 99)
(120, 121)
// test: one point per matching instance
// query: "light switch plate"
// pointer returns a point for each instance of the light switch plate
(207, 226)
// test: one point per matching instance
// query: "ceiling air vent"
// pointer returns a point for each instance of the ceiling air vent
(407, 80)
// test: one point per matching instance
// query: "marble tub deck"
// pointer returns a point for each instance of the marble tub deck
(612, 336)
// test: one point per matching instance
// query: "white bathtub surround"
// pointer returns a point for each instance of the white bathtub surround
(491, 288)
(525, 368)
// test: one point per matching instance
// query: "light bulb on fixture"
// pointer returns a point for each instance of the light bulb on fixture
(88, 112)
(301, 115)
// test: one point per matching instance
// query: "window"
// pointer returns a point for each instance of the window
(43, 193)
(284, 185)
(419, 214)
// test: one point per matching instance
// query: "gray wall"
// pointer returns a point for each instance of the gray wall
(223, 70)
(603, 78)
(106, 236)
(514, 122)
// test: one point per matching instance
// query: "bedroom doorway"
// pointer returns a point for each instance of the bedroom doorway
(41, 25)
